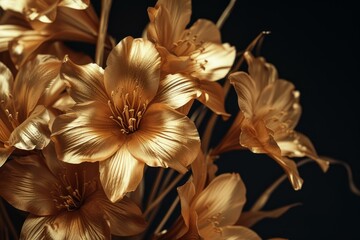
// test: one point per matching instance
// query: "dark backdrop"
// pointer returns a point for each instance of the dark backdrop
(316, 46)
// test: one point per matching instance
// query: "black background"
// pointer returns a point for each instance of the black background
(316, 46)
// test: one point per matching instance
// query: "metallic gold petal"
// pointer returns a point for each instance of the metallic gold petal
(120, 174)
(291, 170)
(86, 223)
(238, 233)
(221, 202)
(85, 82)
(199, 171)
(34, 132)
(4, 154)
(6, 83)
(87, 134)
(14, 5)
(133, 62)
(166, 138)
(34, 227)
(176, 90)
(125, 217)
(22, 175)
(213, 97)
(75, 4)
(8, 33)
(214, 62)
(203, 31)
(186, 194)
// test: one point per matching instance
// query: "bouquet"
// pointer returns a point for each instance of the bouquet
(119, 142)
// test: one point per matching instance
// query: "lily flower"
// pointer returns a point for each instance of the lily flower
(65, 201)
(24, 117)
(196, 52)
(122, 121)
(269, 112)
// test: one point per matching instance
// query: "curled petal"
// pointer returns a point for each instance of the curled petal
(132, 63)
(34, 132)
(28, 193)
(87, 134)
(221, 201)
(120, 174)
(290, 168)
(125, 217)
(165, 138)
(176, 90)
(85, 82)
(214, 62)
(213, 97)
(34, 227)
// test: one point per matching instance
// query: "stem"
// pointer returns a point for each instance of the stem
(8, 220)
(155, 187)
(167, 215)
(211, 123)
(105, 12)
(225, 14)
(163, 194)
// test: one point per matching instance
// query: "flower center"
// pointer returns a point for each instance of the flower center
(129, 110)
(71, 195)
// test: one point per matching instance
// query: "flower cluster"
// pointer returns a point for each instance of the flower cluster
(78, 136)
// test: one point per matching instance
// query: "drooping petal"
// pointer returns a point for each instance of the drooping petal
(37, 78)
(120, 174)
(28, 192)
(34, 132)
(86, 134)
(203, 31)
(133, 62)
(291, 170)
(214, 62)
(6, 83)
(299, 145)
(186, 194)
(86, 223)
(213, 97)
(176, 90)
(221, 202)
(34, 227)
(166, 138)
(125, 217)
(86, 82)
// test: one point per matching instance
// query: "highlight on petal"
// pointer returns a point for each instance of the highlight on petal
(176, 90)
(125, 217)
(6, 83)
(120, 174)
(214, 62)
(221, 202)
(133, 63)
(34, 132)
(75, 4)
(28, 193)
(87, 134)
(34, 227)
(291, 170)
(166, 138)
(85, 82)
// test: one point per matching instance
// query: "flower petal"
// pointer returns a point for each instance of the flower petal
(125, 217)
(86, 134)
(221, 202)
(186, 194)
(120, 174)
(75, 4)
(34, 227)
(299, 145)
(214, 62)
(203, 31)
(291, 170)
(236, 233)
(213, 97)
(6, 83)
(176, 90)
(133, 62)
(28, 193)
(200, 171)
(85, 82)
(86, 223)
(4, 154)
(165, 138)
(34, 132)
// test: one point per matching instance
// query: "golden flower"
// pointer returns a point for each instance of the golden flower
(211, 213)
(44, 11)
(120, 120)
(25, 39)
(196, 52)
(24, 118)
(269, 112)
(65, 201)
